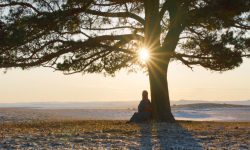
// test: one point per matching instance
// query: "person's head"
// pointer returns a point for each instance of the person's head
(144, 94)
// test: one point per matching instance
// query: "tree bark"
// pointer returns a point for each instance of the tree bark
(158, 62)
(161, 109)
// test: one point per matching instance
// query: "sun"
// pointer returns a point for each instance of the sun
(144, 54)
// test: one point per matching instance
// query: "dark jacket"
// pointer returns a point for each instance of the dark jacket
(141, 115)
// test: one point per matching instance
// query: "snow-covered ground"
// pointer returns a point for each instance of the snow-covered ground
(180, 113)
(213, 114)
(21, 133)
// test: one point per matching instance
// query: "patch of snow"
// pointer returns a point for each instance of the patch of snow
(216, 114)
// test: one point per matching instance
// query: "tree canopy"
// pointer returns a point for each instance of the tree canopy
(103, 36)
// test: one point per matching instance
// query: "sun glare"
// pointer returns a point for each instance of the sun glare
(144, 54)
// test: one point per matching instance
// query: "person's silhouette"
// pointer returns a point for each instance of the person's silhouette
(144, 109)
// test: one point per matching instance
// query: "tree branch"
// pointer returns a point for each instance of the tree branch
(120, 14)
(200, 57)
(93, 42)
(163, 9)
(131, 27)
(22, 4)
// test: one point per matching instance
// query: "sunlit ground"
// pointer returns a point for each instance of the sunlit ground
(101, 134)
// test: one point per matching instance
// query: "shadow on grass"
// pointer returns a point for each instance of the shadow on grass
(166, 136)
(146, 129)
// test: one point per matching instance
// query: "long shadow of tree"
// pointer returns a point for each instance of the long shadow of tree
(166, 136)
(146, 129)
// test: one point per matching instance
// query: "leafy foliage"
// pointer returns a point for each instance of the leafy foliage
(103, 36)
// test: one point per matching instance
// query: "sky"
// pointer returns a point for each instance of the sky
(44, 85)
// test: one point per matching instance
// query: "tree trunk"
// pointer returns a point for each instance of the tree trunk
(161, 110)
(160, 55)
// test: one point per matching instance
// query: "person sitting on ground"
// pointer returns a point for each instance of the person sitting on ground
(144, 109)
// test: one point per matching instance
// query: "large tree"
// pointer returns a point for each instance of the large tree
(103, 36)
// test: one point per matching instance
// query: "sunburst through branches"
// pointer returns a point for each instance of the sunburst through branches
(144, 54)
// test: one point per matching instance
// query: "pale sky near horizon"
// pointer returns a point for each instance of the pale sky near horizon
(44, 85)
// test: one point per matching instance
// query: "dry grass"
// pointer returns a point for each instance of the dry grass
(103, 134)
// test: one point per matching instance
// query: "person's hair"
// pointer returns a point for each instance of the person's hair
(144, 92)
(145, 98)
